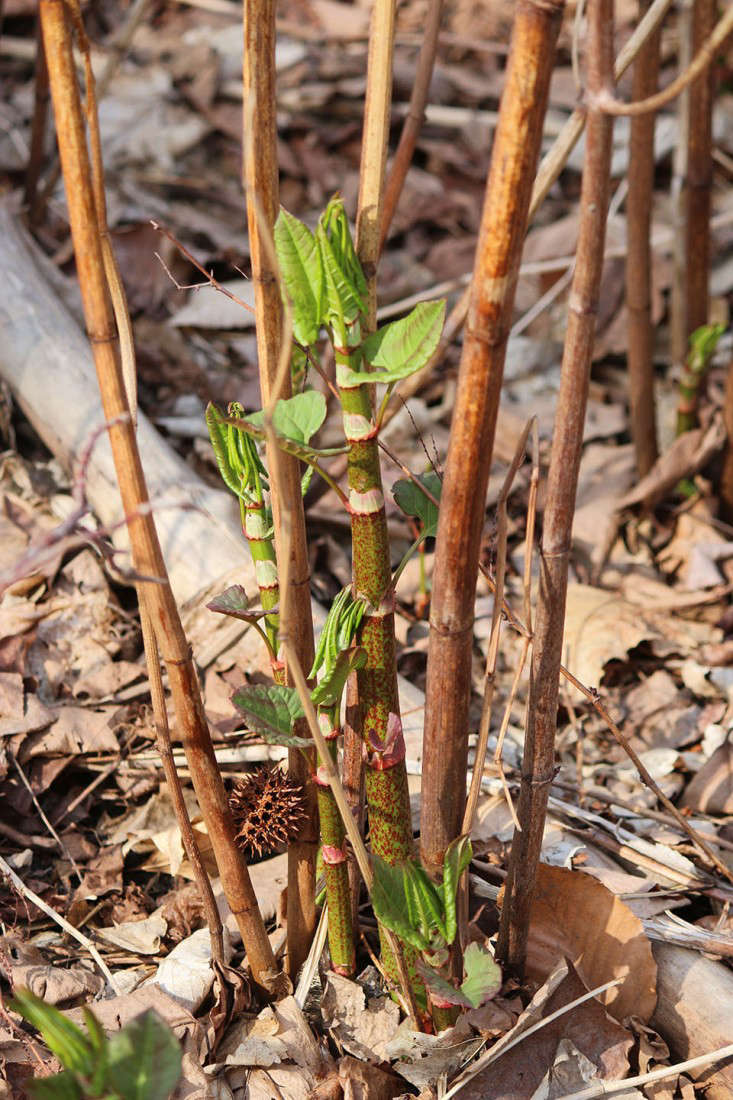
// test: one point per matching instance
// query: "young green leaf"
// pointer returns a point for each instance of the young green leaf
(703, 342)
(296, 418)
(348, 290)
(327, 648)
(425, 903)
(219, 441)
(270, 710)
(405, 346)
(62, 1086)
(302, 275)
(442, 993)
(144, 1059)
(410, 499)
(63, 1038)
(389, 903)
(234, 601)
(331, 687)
(455, 861)
(483, 975)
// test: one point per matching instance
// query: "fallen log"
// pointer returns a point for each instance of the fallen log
(694, 1012)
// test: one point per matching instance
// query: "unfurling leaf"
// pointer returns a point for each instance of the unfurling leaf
(234, 601)
(270, 710)
(410, 499)
(389, 903)
(345, 290)
(455, 861)
(338, 632)
(425, 905)
(703, 342)
(405, 346)
(331, 687)
(236, 454)
(302, 275)
(483, 975)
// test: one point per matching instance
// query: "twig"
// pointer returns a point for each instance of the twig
(604, 101)
(638, 262)
(310, 966)
(165, 751)
(147, 554)
(208, 275)
(527, 639)
(600, 794)
(26, 892)
(608, 1088)
(697, 838)
(64, 850)
(502, 522)
(699, 181)
(502, 1046)
(414, 119)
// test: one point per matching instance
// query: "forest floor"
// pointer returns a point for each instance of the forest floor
(85, 819)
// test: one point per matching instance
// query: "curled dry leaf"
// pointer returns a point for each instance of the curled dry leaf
(711, 790)
(575, 916)
(687, 455)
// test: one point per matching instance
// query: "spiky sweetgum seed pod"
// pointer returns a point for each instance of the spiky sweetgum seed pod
(268, 810)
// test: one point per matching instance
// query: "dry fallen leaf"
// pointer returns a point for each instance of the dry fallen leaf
(186, 973)
(710, 791)
(688, 454)
(519, 1071)
(362, 1027)
(601, 626)
(141, 937)
(577, 917)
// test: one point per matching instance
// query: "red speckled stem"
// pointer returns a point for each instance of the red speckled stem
(336, 871)
(388, 803)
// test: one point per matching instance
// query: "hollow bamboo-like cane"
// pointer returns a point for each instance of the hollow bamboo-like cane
(147, 557)
(261, 183)
(503, 226)
(539, 747)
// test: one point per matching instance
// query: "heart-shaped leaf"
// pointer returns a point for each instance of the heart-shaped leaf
(441, 991)
(144, 1059)
(403, 347)
(410, 499)
(301, 269)
(270, 710)
(483, 975)
(297, 418)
